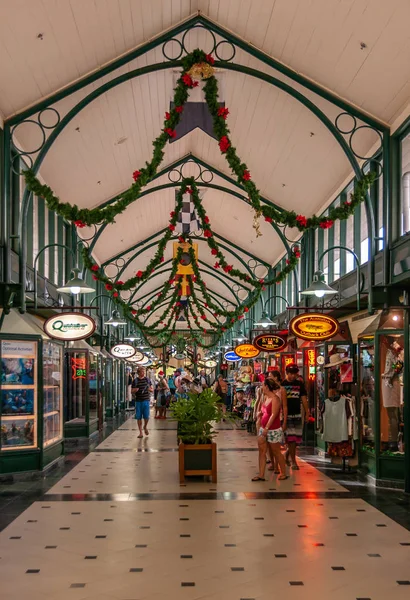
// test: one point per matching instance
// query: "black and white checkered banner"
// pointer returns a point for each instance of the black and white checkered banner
(188, 221)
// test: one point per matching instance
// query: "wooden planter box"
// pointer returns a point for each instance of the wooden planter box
(197, 459)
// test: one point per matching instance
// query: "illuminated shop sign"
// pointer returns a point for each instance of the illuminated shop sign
(246, 351)
(311, 363)
(123, 351)
(231, 356)
(136, 358)
(314, 326)
(79, 368)
(269, 343)
(69, 327)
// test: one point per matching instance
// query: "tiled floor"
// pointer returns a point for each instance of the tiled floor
(119, 526)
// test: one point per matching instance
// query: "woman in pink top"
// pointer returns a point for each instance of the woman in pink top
(270, 429)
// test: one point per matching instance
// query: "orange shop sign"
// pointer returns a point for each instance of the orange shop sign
(314, 326)
(311, 363)
(246, 351)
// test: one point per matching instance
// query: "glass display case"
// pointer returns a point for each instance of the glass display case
(382, 397)
(18, 394)
(31, 426)
(53, 393)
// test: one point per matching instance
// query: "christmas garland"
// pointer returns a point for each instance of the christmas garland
(197, 61)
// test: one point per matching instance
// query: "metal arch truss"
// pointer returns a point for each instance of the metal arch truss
(174, 45)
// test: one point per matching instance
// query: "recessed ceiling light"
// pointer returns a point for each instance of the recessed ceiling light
(121, 140)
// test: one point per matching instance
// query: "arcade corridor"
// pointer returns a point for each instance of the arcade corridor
(120, 526)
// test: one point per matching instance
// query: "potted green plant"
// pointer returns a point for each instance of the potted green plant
(196, 416)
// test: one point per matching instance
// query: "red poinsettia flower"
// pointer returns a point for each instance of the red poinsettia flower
(206, 305)
(207, 233)
(108, 287)
(326, 224)
(347, 204)
(167, 116)
(136, 175)
(268, 219)
(214, 251)
(228, 268)
(179, 109)
(209, 59)
(224, 144)
(159, 294)
(171, 132)
(95, 268)
(171, 227)
(139, 274)
(171, 281)
(95, 277)
(246, 309)
(162, 259)
(287, 261)
(246, 175)
(203, 317)
(189, 82)
(148, 308)
(205, 331)
(217, 265)
(80, 224)
(206, 219)
(302, 221)
(172, 214)
(115, 294)
(134, 312)
(261, 281)
(240, 316)
(181, 239)
(119, 283)
(189, 191)
(223, 112)
(193, 279)
(296, 253)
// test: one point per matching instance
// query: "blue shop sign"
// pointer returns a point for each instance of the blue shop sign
(232, 356)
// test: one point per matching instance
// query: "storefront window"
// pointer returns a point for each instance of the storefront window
(320, 386)
(405, 185)
(93, 386)
(392, 399)
(52, 384)
(18, 389)
(367, 394)
(77, 376)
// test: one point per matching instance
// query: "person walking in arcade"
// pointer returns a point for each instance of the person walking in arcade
(269, 428)
(142, 388)
(296, 397)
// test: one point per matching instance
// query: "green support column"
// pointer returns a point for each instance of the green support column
(406, 406)
(41, 220)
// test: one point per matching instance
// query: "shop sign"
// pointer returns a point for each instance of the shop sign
(320, 359)
(142, 362)
(314, 326)
(209, 364)
(18, 348)
(311, 363)
(69, 327)
(224, 366)
(288, 359)
(246, 351)
(123, 351)
(269, 343)
(137, 357)
(231, 356)
(79, 368)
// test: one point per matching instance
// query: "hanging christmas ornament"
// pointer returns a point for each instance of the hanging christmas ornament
(256, 224)
(201, 71)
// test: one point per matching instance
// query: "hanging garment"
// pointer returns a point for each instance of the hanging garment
(335, 421)
(352, 421)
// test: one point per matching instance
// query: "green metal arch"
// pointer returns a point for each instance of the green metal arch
(144, 248)
(174, 64)
(208, 272)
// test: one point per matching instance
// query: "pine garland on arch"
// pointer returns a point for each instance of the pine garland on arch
(86, 217)
(83, 217)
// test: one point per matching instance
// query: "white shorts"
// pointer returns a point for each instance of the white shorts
(274, 436)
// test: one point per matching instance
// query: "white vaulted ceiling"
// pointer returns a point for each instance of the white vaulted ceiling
(357, 49)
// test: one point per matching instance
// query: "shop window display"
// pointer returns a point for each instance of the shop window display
(18, 394)
(367, 395)
(392, 398)
(77, 376)
(52, 385)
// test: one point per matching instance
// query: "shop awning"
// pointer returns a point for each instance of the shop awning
(23, 324)
(363, 325)
(81, 345)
